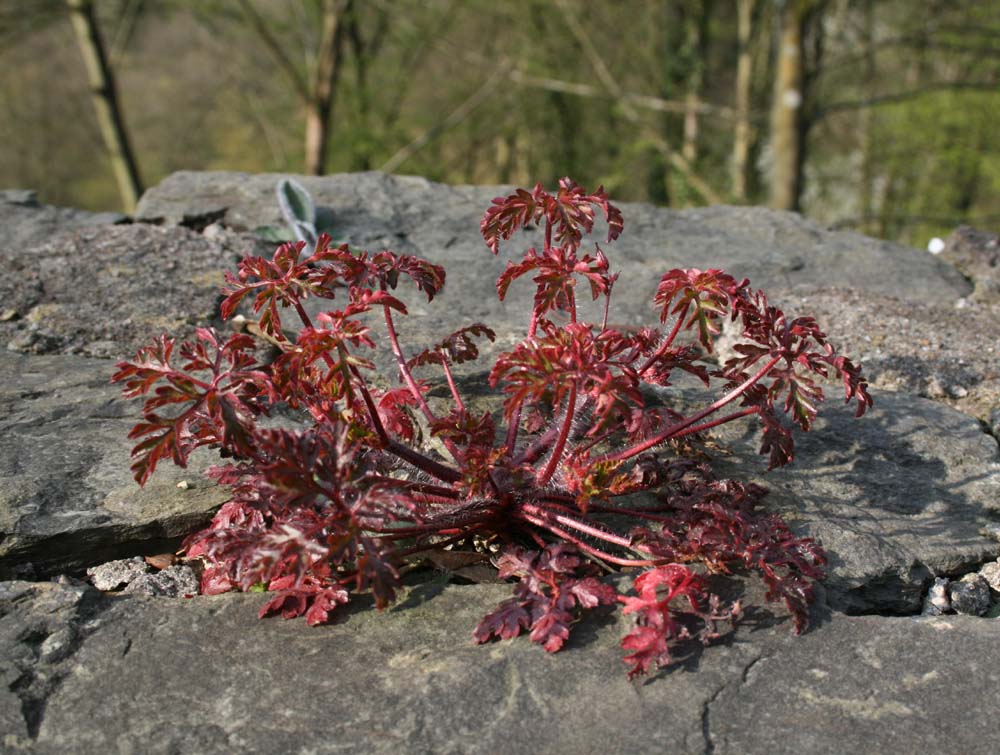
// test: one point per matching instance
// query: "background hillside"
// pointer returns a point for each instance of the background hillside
(878, 115)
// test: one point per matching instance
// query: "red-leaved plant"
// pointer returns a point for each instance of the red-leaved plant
(337, 508)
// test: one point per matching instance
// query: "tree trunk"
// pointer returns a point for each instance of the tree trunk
(786, 114)
(697, 22)
(865, 124)
(744, 70)
(319, 111)
(105, 98)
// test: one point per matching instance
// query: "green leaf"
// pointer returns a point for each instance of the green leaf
(298, 209)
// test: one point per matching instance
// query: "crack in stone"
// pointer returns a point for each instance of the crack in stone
(706, 732)
(706, 723)
(39, 681)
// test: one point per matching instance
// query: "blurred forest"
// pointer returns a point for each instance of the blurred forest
(877, 115)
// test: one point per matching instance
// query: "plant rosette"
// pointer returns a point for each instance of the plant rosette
(336, 509)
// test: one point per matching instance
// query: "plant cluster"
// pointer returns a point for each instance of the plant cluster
(337, 508)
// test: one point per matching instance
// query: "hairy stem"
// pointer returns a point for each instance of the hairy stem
(604, 556)
(666, 343)
(673, 430)
(587, 529)
(459, 404)
(556, 455)
(407, 376)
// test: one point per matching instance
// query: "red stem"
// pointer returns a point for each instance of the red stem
(560, 444)
(423, 488)
(576, 524)
(421, 462)
(587, 548)
(669, 340)
(673, 430)
(404, 371)
(717, 422)
(451, 384)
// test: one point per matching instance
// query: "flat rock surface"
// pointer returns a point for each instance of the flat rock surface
(413, 215)
(204, 675)
(106, 290)
(895, 497)
(67, 498)
(26, 222)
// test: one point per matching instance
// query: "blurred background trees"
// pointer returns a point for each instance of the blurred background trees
(878, 115)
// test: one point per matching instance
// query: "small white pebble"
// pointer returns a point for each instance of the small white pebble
(183, 484)
(935, 245)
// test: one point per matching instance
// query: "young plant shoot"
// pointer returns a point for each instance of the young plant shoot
(322, 513)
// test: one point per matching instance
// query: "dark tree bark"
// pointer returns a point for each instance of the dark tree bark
(105, 97)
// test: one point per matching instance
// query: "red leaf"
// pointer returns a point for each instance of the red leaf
(505, 622)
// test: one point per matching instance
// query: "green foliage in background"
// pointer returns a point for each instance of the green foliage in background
(901, 108)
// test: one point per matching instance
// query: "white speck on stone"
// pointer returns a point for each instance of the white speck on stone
(934, 388)
(214, 232)
(958, 391)
(991, 530)
(183, 484)
(935, 245)
(936, 602)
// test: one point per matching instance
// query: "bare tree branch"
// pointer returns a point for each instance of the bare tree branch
(458, 115)
(274, 47)
(604, 75)
(643, 101)
(910, 94)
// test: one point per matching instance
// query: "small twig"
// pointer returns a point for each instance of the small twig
(458, 115)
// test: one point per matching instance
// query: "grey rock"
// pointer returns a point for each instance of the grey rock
(976, 253)
(67, 498)
(937, 602)
(970, 595)
(116, 574)
(412, 215)
(41, 627)
(994, 426)
(991, 573)
(865, 684)
(206, 675)
(173, 582)
(895, 497)
(26, 222)
(106, 290)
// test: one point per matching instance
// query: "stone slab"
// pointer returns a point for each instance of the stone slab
(67, 498)
(106, 290)
(896, 497)
(26, 222)
(412, 215)
(204, 675)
